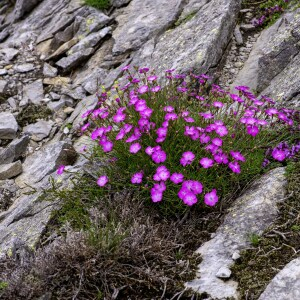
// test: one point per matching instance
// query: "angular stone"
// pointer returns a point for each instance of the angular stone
(15, 150)
(9, 53)
(223, 273)
(34, 91)
(63, 48)
(90, 41)
(54, 96)
(44, 162)
(38, 130)
(285, 285)
(3, 72)
(139, 22)
(72, 61)
(247, 27)
(57, 81)
(49, 71)
(3, 87)
(8, 126)
(8, 171)
(24, 68)
(251, 213)
(56, 105)
(238, 36)
(77, 93)
(24, 6)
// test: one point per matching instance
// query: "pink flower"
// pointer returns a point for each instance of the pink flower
(146, 113)
(278, 155)
(206, 162)
(97, 132)
(190, 199)
(169, 109)
(102, 180)
(221, 158)
(218, 104)
(160, 186)
(197, 187)
(137, 178)
(221, 130)
(187, 158)
(125, 68)
(156, 195)
(162, 131)
(171, 116)
(156, 89)
(206, 115)
(60, 169)
(152, 78)
(204, 139)
(143, 89)
(217, 141)
(237, 156)
(149, 150)
(107, 146)
(162, 174)
(159, 156)
(135, 148)
(189, 120)
(252, 130)
(211, 198)
(235, 167)
(85, 127)
(119, 117)
(176, 178)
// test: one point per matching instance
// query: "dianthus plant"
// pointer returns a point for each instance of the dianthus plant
(179, 144)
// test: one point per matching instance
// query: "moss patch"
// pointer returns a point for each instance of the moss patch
(100, 4)
(276, 247)
(32, 113)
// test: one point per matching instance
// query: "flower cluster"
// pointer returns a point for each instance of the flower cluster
(178, 141)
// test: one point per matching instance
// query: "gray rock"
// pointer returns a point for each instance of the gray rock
(285, 86)
(8, 126)
(3, 86)
(139, 22)
(24, 6)
(90, 41)
(119, 3)
(38, 130)
(34, 91)
(10, 170)
(252, 213)
(77, 93)
(196, 44)
(63, 49)
(49, 71)
(223, 273)
(9, 53)
(271, 54)
(238, 36)
(93, 23)
(44, 162)
(73, 60)
(236, 255)
(285, 285)
(15, 150)
(54, 96)
(24, 68)
(56, 105)
(247, 27)
(3, 72)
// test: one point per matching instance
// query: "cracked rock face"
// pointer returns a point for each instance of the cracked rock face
(252, 213)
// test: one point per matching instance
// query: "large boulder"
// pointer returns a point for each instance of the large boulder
(24, 6)
(274, 55)
(252, 213)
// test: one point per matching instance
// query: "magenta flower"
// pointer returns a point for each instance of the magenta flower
(221, 130)
(60, 169)
(187, 158)
(171, 116)
(252, 130)
(206, 116)
(237, 156)
(160, 186)
(218, 104)
(190, 199)
(85, 127)
(146, 113)
(189, 119)
(204, 139)
(197, 187)
(125, 68)
(102, 180)
(119, 117)
(162, 174)
(169, 109)
(217, 141)
(98, 132)
(120, 135)
(156, 89)
(135, 148)
(177, 178)
(206, 162)
(159, 156)
(107, 146)
(235, 167)
(278, 154)
(156, 195)
(140, 105)
(149, 150)
(211, 198)
(162, 131)
(221, 158)
(137, 178)
(152, 78)
(143, 89)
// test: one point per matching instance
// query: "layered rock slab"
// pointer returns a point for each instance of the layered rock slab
(285, 285)
(252, 213)
(195, 44)
(273, 54)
